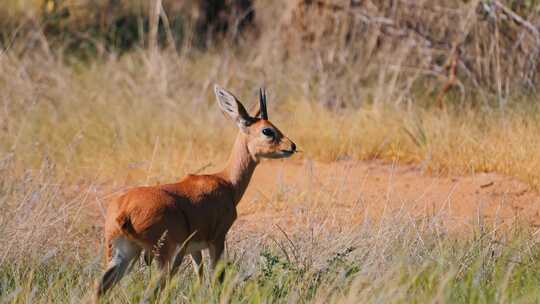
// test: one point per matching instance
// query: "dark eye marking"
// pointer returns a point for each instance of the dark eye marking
(268, 132)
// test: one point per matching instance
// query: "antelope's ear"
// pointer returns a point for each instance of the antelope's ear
(231, 106)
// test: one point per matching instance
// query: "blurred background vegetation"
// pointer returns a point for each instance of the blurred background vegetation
(90, 28)
(452, 84)
(484, 49)
(99, 95)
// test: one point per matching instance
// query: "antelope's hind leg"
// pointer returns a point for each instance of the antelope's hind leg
(124, 252)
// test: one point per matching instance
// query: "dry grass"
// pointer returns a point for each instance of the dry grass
(301, 250)
(138, 116)
(139, 119)
(73, 131)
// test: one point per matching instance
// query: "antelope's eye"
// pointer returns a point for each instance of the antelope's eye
(268, 132)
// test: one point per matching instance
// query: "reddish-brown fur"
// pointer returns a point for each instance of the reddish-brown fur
(172, 220)
(199, 204)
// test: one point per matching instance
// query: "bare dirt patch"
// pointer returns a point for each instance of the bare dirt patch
(349, 193)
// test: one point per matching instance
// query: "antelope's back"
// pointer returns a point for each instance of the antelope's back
(201, 205)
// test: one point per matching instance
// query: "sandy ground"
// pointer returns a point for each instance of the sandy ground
(348, 193)
(302, 196)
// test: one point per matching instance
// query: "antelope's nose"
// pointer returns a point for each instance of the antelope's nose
(293, 146)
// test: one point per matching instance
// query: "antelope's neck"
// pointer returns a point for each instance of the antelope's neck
(239, 168)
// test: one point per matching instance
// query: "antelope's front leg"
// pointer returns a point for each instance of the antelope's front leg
(169, 262)
(198, 264)
(216, 251)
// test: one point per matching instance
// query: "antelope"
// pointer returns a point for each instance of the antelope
(196, 213)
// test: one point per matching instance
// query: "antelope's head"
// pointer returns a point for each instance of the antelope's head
(263, 138)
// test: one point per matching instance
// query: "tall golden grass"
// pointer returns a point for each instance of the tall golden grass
(73, 131)
(139, 115)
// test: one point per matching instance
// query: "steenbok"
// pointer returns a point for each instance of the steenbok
(195, 213)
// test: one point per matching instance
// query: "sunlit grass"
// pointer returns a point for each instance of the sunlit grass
(72, 134)
(141, 117)
(481, 269)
